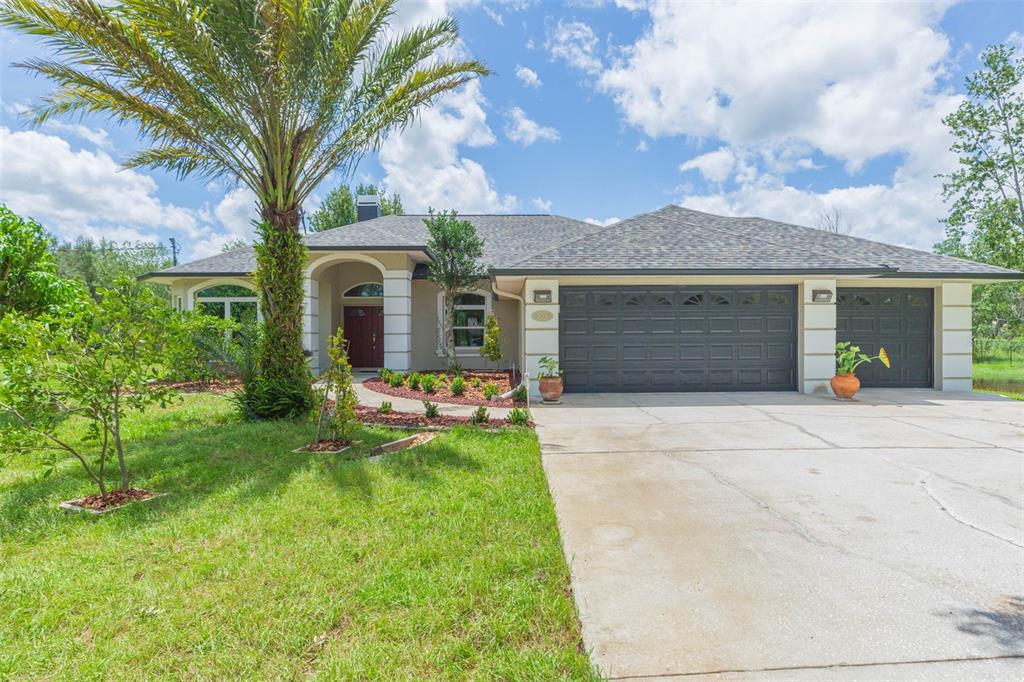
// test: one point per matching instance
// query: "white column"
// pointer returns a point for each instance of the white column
(398, 320)
(816, 327)
(311, 322)
(540, 327)
(953, 351)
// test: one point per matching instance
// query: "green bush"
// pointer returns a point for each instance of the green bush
(385, 375)
(520, 394)
(269, 398)
(397, 379)
(429, 383)
(458, 386)
(491, 390)
(518, 417)
(413, 380)
(385, 407)
(475, 382)
(480, 416)
(431, 409)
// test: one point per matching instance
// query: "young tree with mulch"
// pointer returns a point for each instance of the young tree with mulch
(456, 249)
(337, 421)
(492, 340)
(99, 361)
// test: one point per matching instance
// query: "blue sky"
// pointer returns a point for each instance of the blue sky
(597, 110)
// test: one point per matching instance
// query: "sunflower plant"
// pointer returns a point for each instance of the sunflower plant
(850, 357)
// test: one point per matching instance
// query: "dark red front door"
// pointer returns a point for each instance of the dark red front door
(364, 330)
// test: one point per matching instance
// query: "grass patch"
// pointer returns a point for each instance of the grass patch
(442, 561)
(1000, 376)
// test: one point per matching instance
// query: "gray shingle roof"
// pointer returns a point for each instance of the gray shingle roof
(671, 239)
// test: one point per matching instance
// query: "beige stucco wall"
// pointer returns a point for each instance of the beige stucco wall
(425, 329)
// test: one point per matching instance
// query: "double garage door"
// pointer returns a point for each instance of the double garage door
(637, 339)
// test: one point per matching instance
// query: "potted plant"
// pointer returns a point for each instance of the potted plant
(550, 379)
(845, 383)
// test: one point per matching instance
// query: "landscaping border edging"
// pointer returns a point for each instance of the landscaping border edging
(70, 506)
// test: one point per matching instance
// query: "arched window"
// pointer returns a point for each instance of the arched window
(365, 290)
(228, 301)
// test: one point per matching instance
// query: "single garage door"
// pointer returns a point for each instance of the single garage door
(898, 319)
(678, 338)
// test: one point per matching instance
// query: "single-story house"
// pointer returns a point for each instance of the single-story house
(672, 300)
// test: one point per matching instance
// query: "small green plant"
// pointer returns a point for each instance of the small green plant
(491, 390)
(458, 386)
(492, 340)
(413, 380)
(385, 407)
(337, 421)
(431, 410)
(549, 367)
(442, 378)
(517, 416)
(479, 416)
(397, 379)
(520, 394)
(850, 357)
(475, 382)
(429, 383)
(385, 375)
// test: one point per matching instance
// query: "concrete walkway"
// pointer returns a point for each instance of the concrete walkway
(776, 536)
(374, 399)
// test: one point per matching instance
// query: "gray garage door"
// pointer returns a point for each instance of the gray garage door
(678, 338)
(898, 319)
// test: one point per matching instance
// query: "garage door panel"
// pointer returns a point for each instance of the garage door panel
(681, 338)
(900, 320)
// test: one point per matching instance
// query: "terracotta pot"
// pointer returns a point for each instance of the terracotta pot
(551, 388)
(845, 386)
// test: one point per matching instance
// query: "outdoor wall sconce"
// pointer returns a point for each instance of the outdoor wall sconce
(542, 296)
(821, 295)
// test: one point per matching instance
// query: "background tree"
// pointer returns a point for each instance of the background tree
(986, 191)
(339, 208)
(233, 244)
(276, 95)
(98, 264)
(456, 248)
(832, 219)
(29, 282)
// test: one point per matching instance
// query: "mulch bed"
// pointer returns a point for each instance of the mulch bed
(326, 446)
(370, 415)
(218, 386)
(112, 499)
(474, 395)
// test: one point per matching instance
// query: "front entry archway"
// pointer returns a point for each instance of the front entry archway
(364, 331)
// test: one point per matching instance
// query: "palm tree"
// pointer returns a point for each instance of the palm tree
(270, 93)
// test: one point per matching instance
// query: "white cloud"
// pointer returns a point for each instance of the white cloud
(602, 222)
(523, 130)
(528, 76)
(641, 146)
(424, 165)
(495, 17)
(87, 194)
(97, 136)
(715, 166)
(541, 204)
(575, 43)
(791, 86)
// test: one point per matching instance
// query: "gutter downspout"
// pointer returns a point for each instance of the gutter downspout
(525, 377)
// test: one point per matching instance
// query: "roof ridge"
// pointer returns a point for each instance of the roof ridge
(775, 242)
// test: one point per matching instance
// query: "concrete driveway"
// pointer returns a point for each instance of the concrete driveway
(783, 536)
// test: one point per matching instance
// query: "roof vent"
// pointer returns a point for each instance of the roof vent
(367, 207)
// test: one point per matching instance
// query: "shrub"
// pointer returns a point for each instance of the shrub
(413, 380)
(479, 416)
(428, 382)
(458, 386)
(385, 407)
(442, 378)
(385, 375)
(491, 349)
(520, 394)
(518, 417)
(431, 409)
(270, 398)
(491, 390)
(397, 379)
(475, 382)
(339, 424)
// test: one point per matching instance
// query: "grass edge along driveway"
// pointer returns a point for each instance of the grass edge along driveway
(440, 562)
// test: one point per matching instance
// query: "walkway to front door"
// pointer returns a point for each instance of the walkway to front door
(364, 331)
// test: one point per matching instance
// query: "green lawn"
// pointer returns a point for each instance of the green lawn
(1000, 376)
(440, 562)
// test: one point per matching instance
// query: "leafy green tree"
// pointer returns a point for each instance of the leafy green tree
(238, 243)
(986, 191)
(492, 340)
(456, 248)
(29, 282)
(98, 264)
(275, 95)
(339, 208)
(97, 361)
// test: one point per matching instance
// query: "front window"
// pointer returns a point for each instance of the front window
(470, 310)
(229, 302)
(365, 290)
